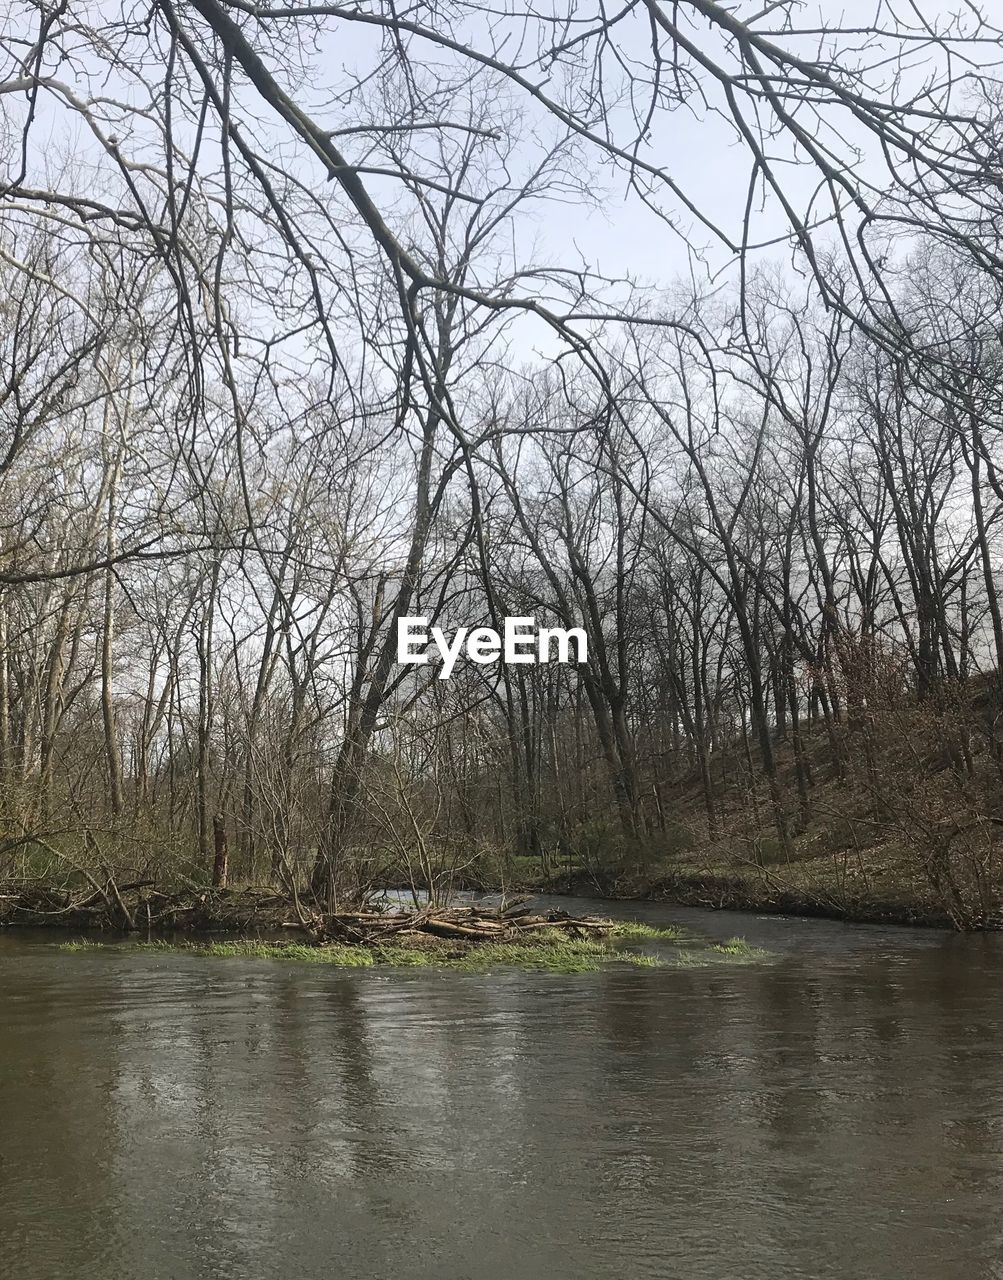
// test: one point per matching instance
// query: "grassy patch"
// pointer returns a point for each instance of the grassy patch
(569, 956)
(578, 955)
(635, 930)
(735, 951)
(251, 949)
(558, 954)
(739, 949)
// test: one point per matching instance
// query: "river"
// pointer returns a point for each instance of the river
(834, 1112)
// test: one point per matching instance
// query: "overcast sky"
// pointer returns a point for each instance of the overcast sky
(621, 236)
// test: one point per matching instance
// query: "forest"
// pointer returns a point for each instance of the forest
(302, 334)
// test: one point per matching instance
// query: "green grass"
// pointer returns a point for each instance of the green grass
(735, 950)
(242, 948)
(739, 949)
(550, 955)
(636, 930)
(250, 949)
(579, 955)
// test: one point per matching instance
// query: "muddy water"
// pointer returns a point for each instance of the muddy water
(837, 1112)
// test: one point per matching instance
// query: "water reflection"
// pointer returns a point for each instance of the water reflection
(836, 1113)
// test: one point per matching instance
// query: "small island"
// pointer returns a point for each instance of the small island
(467, 936)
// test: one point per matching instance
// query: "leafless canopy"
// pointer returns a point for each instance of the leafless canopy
(305, 328)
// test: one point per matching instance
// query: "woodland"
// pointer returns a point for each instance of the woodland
(681, 324)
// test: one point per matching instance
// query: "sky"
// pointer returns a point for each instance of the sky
(615, 234)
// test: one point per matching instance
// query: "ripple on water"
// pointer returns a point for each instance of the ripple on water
(838, 1113)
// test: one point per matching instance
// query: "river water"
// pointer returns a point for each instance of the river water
(835, 1112)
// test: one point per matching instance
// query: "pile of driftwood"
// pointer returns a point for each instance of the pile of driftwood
(466, 924)
(141, 906)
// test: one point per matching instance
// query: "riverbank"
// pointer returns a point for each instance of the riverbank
(259, 911)
(722, 892)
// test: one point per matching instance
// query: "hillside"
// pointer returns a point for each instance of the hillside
(896, 817)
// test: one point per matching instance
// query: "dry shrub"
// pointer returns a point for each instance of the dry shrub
(927, 775)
